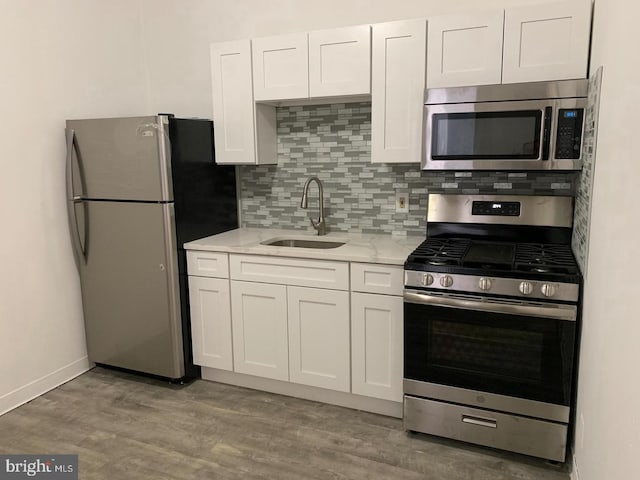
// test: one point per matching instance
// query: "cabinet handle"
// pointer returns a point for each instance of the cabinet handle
(482, 422)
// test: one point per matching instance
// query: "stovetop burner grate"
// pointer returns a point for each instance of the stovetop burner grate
(544, 258)
(478, 255)
(440, 251)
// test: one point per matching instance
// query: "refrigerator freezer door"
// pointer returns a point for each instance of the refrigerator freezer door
(130, 287)
(120, 158)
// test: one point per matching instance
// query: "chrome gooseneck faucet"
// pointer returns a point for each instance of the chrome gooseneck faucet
(320, 224)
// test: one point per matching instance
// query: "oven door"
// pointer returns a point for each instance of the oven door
(507, 348)
(517, 135)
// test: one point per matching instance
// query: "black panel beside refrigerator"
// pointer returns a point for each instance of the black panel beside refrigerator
(205, 204)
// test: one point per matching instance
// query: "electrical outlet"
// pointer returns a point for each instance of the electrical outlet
(402, 202)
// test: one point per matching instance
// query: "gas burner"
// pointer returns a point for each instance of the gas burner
(438, 262)
(541, 269)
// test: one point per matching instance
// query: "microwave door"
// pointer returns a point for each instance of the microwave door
(489, 135)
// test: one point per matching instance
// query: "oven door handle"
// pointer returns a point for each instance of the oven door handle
(551, 310)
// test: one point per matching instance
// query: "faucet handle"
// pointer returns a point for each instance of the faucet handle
(320, 225)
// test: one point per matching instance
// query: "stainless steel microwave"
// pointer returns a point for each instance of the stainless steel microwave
(525, 126)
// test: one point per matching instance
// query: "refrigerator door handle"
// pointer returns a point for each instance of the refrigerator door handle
(164, 152)
(71, 198)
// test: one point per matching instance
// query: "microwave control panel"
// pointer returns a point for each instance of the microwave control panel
(569, 134)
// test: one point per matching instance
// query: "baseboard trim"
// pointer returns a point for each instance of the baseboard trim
(574, 468)
(342, 399)
(37, 387)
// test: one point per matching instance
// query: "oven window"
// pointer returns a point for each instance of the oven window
(486, 135)
(507, 354)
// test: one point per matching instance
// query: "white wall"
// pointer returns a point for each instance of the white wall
(177, 34)
(608, 442)
(58, 59)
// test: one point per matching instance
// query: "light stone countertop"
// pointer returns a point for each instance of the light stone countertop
(359, 247)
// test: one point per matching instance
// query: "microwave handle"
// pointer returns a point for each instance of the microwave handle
(546, 133)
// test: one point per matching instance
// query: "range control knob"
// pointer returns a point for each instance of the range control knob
(427, 279)
(526, 288)
(446, 281)
(548, 290)
(484, 283)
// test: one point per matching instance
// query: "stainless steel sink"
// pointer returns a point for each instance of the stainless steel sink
(301, 243)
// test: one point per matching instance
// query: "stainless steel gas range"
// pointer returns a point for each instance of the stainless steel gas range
(491, 306)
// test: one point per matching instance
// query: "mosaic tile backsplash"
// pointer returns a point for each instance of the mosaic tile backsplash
(333, 142)
(584, 185)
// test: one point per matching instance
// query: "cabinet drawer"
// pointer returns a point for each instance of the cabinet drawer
(208, 264)
(485, 427)
(290, 271)
(372, 278)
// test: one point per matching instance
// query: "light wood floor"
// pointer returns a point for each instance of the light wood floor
(129, 427)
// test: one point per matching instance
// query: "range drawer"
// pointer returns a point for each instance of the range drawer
(373, 278)
(484, 427)
(290, 271)
(207, 264)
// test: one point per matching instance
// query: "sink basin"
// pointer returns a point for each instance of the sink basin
(301, 243)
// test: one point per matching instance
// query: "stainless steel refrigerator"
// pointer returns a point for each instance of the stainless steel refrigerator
(138, 189)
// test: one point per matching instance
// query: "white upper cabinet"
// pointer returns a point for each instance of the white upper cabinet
(281, 67)
(397, 91)
(465, 49)
(244, 133)
(340, 61)
(530, 43)
(324, 63)
(232, 102)
(546, 41)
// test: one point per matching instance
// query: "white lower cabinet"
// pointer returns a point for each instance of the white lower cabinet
(288, 326)
(211, 322)
(376, 345)
(319, 337)
(259, 318)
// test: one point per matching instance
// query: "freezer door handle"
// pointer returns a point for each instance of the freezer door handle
(78, 245)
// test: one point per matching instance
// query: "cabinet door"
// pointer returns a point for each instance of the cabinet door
(319, 337)
(211, 322)
(233, 110)
(259, 319)
(281, 67)
(340, 61)
(465, 49)
(546, 42)
(376, 345)
(397, 91)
